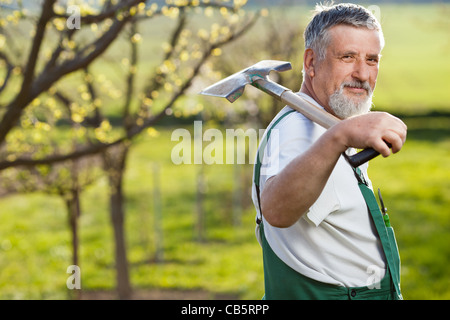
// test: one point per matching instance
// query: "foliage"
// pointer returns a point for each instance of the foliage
(39, 98)
(35, 249)
(34, 241)
(81, 75)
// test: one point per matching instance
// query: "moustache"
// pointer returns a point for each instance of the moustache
(357, 84)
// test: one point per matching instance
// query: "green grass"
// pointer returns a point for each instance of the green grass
(416, 188)
(35, 244)
(35, 241)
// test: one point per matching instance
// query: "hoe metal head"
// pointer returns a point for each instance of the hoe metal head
(233, 87)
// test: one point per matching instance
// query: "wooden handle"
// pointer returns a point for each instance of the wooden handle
(309, 110)
(325, 120)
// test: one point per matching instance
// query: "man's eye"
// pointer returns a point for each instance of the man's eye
(347, 58)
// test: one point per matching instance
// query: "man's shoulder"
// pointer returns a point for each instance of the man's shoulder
(289, 117)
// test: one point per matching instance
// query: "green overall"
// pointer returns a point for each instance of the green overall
(284, 283)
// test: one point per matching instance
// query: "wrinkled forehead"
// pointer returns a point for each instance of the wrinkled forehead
(347, 37)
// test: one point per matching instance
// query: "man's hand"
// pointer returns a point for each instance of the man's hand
(307, 174)
(371, 130)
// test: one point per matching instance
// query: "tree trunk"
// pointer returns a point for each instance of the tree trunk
(115, 159)
(200, 212)
(157, 214)
(74, 212)
(237, 195)
(73, 208)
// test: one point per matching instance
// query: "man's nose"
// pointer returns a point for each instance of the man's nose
(361, 70)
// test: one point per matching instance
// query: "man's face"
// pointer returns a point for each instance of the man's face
(344, 81)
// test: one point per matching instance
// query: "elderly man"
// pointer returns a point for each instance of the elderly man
(318, 220)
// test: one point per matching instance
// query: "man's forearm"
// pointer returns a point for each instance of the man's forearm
(288, 195)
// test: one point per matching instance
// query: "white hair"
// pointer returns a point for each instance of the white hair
(326, 16)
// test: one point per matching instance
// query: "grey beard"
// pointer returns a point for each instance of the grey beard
(345, 107)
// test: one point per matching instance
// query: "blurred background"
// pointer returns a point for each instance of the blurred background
(91, 93)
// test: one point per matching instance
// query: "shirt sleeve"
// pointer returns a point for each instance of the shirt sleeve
(327, 203)
(288, 139)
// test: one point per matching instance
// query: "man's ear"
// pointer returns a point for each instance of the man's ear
(309, 62)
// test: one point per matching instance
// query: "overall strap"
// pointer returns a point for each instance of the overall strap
(260, 155)
(384, 231)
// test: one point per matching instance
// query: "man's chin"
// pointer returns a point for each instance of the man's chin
(351, 108)
(350, 101)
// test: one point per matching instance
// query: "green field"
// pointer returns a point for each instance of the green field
(415, 70)
(35, 242)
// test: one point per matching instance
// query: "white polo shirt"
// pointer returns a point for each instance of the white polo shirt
(335, 241)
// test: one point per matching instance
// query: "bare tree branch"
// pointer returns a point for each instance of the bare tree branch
(130, 77)
(156, 82)
(55, 158)
(135, 129)
(9, 68)
(97, 118)
(81, 60)
(57, 53)
(14, 109)
(32, 87)
(109, 11)
(152, 120)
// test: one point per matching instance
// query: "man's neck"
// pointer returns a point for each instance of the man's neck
(305, 88)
